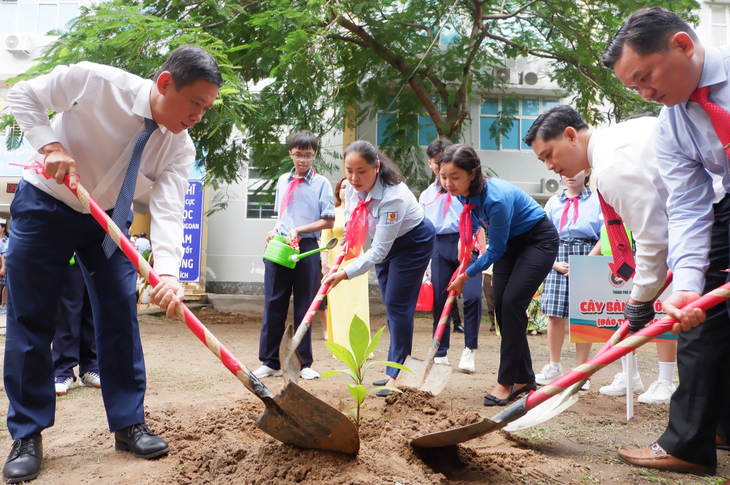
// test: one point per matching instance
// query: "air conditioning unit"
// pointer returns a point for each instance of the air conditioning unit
(17, 44)
(549, 186)
(506, 75)
(529, 78)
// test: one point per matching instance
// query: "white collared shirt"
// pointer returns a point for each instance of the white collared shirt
(393, 212)
(627, 176)
(100, 114)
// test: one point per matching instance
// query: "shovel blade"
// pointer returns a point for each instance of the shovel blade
(431, 378)
(472, 431)
(456, 435)
(289, 358)
(296, 417)
(548, 409)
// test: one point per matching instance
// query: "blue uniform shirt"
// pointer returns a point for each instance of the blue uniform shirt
(311, 201)
(393, 212)
(687, 148)
(505, 211)
(588, 225)
(433, 201)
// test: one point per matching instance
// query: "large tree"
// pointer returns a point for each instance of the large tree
(324, 64)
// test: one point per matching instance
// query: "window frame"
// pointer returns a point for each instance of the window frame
(519, 117)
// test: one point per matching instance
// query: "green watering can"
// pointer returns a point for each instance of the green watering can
(280, 252)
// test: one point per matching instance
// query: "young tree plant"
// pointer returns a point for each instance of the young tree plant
(361, 346)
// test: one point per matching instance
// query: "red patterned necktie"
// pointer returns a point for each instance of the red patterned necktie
(293, 184)
(623, 259)
(564, 217)
(357, 229)
(719, 117)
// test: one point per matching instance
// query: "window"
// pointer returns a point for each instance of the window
(523, 110)
(426, 129)
(386, 133)
(259, 205)
(719, 24)
(36, 18)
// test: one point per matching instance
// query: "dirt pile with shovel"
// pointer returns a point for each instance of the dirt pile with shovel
(223, 446)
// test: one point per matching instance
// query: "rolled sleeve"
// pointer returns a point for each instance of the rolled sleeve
(383, 239)
(58, 91)
(167, 203)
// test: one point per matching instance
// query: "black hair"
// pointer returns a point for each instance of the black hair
(647, 31)
(143, 234)
(389, 173)
(552, 123)
(303, 140)
(438, 146)
(465, 157)
(189, 63)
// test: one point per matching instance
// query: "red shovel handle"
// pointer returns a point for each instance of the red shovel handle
(623, 331)
(182, 312)
(465, 258)
(622, 348)
(304, 326)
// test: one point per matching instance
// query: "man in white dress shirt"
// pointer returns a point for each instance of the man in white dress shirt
(123, 136)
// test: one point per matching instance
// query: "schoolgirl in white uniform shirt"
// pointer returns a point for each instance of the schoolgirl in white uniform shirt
(380, 204)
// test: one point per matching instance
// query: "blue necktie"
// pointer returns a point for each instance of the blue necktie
(126, 194)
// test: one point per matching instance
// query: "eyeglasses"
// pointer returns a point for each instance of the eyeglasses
(303, 156)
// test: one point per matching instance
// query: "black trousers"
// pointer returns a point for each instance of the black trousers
(517, 276)
(74, 342)
(279, 283)
(700, 407)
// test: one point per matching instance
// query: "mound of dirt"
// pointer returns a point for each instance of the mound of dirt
(223, 446)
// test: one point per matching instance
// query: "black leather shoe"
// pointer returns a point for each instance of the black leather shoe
(24, 460)
(382, 382)
(383, 393)
(142, 442)
(458, 328)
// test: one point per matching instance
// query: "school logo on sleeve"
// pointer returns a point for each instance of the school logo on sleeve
(391, 217)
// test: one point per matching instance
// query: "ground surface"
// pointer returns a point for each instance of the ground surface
(208, 417)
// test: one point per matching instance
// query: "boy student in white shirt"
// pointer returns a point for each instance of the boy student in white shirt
(305, 204)
(124, 136)
(625, 173)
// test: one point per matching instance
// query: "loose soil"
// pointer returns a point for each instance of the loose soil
(208, 418)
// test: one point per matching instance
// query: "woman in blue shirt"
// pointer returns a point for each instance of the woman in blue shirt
(378, 203)
(523, 244)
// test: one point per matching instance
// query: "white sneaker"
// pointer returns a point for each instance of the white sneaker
(266, 371)
(618, 386)
(660, 392)
(309, 374)
(586, 386)
(90, 379)
(549, 373)
(467, 360)
(441, 360)
(63, 384)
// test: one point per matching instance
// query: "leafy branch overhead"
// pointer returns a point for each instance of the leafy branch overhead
(324, 64)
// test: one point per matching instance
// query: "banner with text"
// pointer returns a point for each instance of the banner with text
(597, 298)
(192, 232)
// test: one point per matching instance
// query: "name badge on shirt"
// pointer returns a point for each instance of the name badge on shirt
(391, 217)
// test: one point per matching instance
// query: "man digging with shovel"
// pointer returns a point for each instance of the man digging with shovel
(105, 119)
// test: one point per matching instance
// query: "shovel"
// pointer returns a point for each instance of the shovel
(428, 376)
(294, 417)
(289, 358)
(563, 400)
(574, 377)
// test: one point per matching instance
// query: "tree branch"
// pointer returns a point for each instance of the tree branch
(509, 15)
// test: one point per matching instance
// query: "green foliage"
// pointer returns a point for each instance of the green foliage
(324, 65)
(362, 347)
